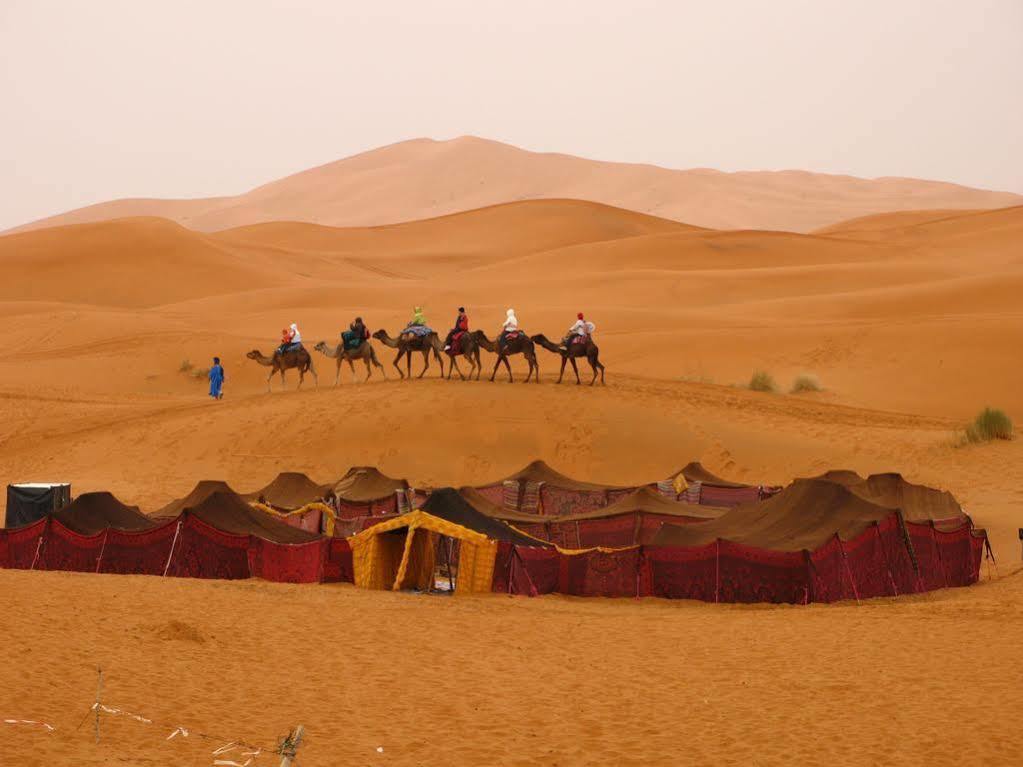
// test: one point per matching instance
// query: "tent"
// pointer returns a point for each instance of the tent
(694, 483)
(540, 489)
(220, 537)
(917, 502)
(401, 553)
(29, 501)
(290, 490)
(91, 513)
(632, 519)
(817, 540)
(229, 513)
(365, 491)
(202, 490)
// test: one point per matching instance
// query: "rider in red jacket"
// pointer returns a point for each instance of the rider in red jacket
(461, 326)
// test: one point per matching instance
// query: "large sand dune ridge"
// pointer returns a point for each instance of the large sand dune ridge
(421, 178)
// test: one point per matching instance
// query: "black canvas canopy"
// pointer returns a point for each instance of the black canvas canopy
(31, 501)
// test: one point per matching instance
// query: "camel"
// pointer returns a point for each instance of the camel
(408, 344)
(363, 351)
(588, 350)
(470, 349)
(521, 344)
(280, 362)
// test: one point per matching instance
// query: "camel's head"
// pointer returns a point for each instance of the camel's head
(321, 346)
(538, 338)
(254, 354)
(380, 335)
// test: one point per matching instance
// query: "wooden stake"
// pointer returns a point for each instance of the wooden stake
(99, 691)
(290, 746)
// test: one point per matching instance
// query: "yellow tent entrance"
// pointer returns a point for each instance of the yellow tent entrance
(401, 554)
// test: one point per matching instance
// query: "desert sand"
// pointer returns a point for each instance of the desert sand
(911, 320)
(422, 178)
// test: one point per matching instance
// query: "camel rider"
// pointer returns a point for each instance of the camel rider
(417, 326)
(461, 326)
(581, 329)
(357, 333)
(511, 325)
(292, 340)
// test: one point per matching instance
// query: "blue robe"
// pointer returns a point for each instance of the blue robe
(216, 381)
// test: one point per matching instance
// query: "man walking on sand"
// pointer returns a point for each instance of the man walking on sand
(217, 379)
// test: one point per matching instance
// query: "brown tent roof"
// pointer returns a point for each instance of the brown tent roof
(805, 515)
(366, 483)
(487, 507)
(648, 501)
(447, 503)
(538, 471)
(290, 490)
(694, 471)
(92, 513)
(202, 490)
(229, 513)
(917, 502)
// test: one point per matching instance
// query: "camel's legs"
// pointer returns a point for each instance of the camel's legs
(376, 363)
(316, 378)
(508, 365)
(496, 366)
(408, 360)
(534, 367)
(282, 380)
(561, 375)
(369, 369)
(337, 374)
(426, 363)
(269, 378)
(479, 363)
(396, 365)
(301, 377)
(575, 369)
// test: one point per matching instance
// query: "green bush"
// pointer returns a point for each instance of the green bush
(806, 382)
(762, 381)
(988, 425)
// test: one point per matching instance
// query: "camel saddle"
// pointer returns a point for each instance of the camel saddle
(456, 343)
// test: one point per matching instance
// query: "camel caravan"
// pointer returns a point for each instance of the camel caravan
(418, 337)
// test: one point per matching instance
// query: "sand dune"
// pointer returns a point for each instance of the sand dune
(127, 262)
(909, 320)
(424, 178)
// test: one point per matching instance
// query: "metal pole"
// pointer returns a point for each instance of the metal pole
(99, 691)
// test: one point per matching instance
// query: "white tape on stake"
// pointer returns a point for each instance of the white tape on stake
(47, 727)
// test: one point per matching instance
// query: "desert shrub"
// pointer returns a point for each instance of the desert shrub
(201, 373)
(989, 424)
(185, 366)
(762, 381)
(806, 382)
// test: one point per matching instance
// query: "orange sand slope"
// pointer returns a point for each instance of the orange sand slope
(911, 330)
(421, 178)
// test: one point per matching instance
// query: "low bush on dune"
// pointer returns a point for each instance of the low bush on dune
(806, 382)
(185, 366)
(989, 424)
(762, 381)
(200, 373)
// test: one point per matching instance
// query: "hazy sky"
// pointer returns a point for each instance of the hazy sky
(186, 98)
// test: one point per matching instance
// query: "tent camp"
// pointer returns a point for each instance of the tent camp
(540, 489)
(365, 491)
(29, 501)
(403, 552)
